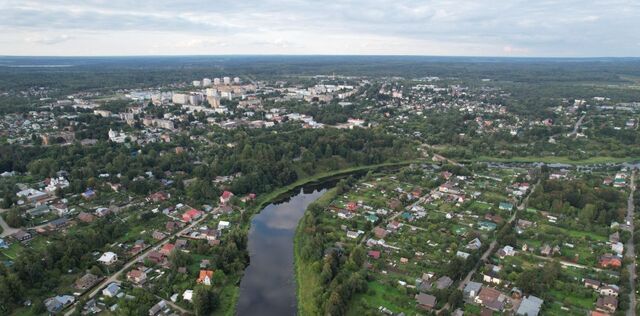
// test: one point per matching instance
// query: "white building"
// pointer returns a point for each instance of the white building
(196, 83)
(226, 80)
(216, 81)
(206, 82)
(236, 80)
(180, 98)
(108, 258)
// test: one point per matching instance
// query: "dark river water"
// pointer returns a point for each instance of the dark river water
(268, 287)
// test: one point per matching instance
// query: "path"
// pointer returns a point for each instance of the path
(630, 251)
(6, 229)
(140, 257)
(578, 123)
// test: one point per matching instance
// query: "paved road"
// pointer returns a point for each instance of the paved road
(6, 230)
(631, 253)
(140, 257)
(578, 123)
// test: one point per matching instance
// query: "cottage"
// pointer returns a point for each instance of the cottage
(159, 307)
(475, 244)
(86, 281)
(158, 235)
(57, 303)
(167, 249)
(530, 306)
(22, 235)
(155, 257)
(610, 290)
(589, 283)
(617, 247)
(172, 226)
(471, 290)
(426, 301)
(205, 277)
(191, 215)
(608, 260)
(491, 299)
(86, 217)
(375, 254)
(226, 197)
(506, 251)
(505, 206)
(223, 225)
(491, 274)
(607, 304)
(380, 232)
(443, 282)
(137, 276)
(614, 238)
(111, 290)
(108, 258)
(187, 295)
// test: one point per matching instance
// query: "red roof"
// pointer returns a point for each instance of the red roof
(204, 274)
(375, 254)
(227, 194)
(167, 248)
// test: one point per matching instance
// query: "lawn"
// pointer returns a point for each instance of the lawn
(382, 295)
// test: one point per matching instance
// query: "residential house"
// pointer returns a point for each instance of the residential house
(111, 290)
(380, 232)
(155, 257)
(137, 276)
(108, 258)
(475, 244)
(506, 251)
(608, 260)
(167, 249)
(471, 290)
(86, 217)
(22, 235)
(443, 282)
(607, 304)
(426, 301)
(610, 290)
(491, 299)
(226, 196)
(375, 254)
(205, 277)
(191, 215)
(86, 281)
(57, 303)
(530, 306)
(589, 283)
(491, 274)
(157, 308)
(157, 235)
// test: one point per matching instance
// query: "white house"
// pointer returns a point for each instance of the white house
(108, 258)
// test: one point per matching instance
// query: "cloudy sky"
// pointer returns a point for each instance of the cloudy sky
(373, 27)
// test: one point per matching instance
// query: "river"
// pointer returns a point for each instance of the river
(268, 287)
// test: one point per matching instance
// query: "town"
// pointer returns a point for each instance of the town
(451, 195)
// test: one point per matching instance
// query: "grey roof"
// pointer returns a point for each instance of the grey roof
(472, 286)
(530, 306)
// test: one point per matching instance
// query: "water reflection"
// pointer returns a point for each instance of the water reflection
(268, 286)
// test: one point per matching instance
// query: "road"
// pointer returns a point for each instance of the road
(140, 257)
(492, 246)
(630, 251)
(578, 123)
(6, 230)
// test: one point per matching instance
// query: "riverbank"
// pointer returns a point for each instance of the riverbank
(304, 271)
(232, 292)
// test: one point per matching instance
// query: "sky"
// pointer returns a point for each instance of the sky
(538, 28)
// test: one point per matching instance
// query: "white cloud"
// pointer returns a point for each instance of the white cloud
(423, 27)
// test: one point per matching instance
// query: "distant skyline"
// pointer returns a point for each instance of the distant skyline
(517, 28)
